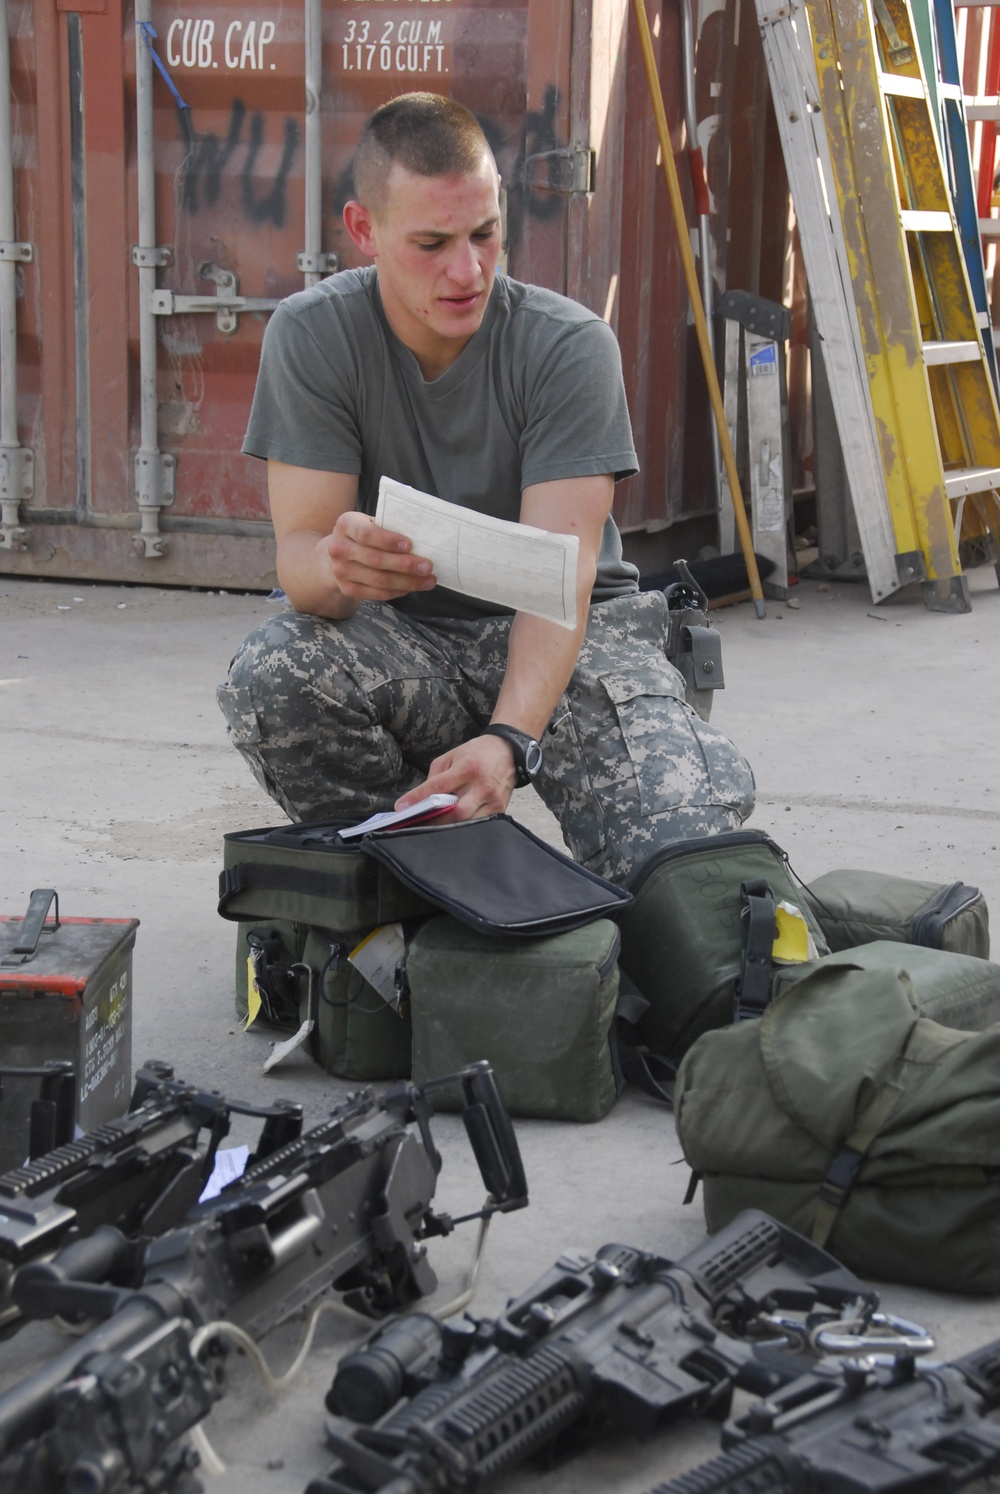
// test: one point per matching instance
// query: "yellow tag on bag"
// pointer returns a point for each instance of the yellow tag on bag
(253, 993)
(793, 942)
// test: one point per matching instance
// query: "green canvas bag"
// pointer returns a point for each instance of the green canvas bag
(541, 1011)
(303, 902)
(852, 1118)
(682, 938)
(306, 902)
(956, 990)
(853, 907)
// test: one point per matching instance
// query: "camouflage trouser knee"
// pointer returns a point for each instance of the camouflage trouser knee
(340, 718)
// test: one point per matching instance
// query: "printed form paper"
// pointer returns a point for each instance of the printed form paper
(516, 565)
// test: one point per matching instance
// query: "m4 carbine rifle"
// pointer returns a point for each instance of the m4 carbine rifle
(863, 1427)
(627, 1339)
(346, 1205)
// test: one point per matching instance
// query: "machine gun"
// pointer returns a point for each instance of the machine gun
(626, 1339)
(140, 1174)
(346, 1206)
(863, 1426)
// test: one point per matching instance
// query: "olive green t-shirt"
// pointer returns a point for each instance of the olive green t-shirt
(535, 395)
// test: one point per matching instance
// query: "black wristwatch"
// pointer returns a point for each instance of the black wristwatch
(527, 753)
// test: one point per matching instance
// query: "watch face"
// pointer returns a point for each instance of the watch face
(532, 758)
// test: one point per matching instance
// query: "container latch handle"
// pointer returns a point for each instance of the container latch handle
(33, 925)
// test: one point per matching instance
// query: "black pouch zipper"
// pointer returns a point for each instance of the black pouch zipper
(927, 927)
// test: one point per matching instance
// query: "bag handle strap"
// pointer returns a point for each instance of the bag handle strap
(759, 927)
(843, 1171)
(259, 876)
(631, 1060)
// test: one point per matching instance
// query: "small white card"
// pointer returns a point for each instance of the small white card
(388, 819)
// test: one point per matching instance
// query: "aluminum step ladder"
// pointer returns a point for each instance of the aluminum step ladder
(794, 83)
(930, 386)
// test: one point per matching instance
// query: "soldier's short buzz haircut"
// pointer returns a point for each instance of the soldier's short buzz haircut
(425, 133)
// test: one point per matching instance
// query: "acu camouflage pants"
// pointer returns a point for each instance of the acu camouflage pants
(337, 719)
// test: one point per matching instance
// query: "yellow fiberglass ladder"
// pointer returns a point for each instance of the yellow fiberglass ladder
(930, 389)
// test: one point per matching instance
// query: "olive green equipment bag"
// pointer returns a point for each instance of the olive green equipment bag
(326, 928)
(854, 907)
(850, 1116)
(542, 1012)
(304, 901)
(683, 937)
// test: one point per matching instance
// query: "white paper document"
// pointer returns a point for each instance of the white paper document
(516, 565)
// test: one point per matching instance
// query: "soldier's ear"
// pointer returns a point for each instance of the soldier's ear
(358, 222)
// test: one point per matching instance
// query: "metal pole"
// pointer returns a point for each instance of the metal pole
(153, 472)
(15, 463)
(700, 186)
(313, 142)
(698, 310)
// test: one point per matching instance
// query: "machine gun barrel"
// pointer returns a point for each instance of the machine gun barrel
(863, 1427)
(627, 1339)
(344, 1206)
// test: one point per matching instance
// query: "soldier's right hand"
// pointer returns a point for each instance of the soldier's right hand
(371, 564)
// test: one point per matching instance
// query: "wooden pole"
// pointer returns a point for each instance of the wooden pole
(694, 294)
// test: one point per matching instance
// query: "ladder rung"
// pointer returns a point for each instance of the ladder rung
(902, 86)
(952, 352)
(982, 106)
(917, 221)
(971, 480)
(974, 4)
(953, 91)
(989, 227)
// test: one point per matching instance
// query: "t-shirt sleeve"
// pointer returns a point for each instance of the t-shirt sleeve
(304, 408)
(576, 416)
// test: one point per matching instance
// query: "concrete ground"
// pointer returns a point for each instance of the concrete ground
(873, 735)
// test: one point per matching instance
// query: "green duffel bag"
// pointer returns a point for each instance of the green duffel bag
(682, 937)
(956, 990)
(847, 1115)
(541, 1011)
(854, 907)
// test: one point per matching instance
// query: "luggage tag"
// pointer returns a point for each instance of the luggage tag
(381, 958)
(793, 940)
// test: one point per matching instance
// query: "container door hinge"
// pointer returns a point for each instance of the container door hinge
(17, 471)
(317, 264)
(570, 169)
(23, 253)
(226, 304)
(159, 257)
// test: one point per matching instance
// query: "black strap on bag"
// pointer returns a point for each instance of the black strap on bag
(277, 983)
(631, 1060)
(759, 928)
